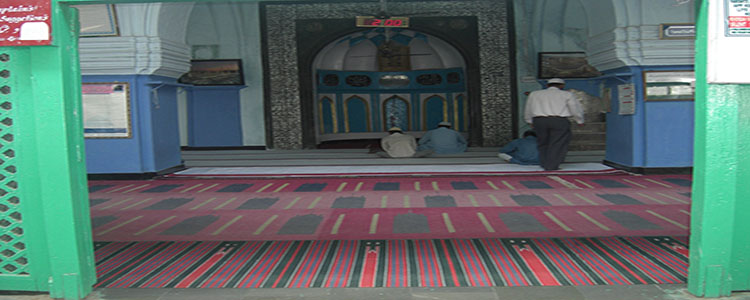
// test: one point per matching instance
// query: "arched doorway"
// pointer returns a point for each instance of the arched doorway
(490, 111)
(370, 80)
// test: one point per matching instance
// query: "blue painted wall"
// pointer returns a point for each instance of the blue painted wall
(450, 85)
(214, 117)
(658, 135)
(669, 134)
(154, 145)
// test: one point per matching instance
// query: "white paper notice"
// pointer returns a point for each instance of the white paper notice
(626, 97)
(34, 31)
(106, 112)
(728, 41)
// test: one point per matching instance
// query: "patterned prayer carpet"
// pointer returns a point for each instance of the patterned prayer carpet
(388, 208)
(396, 263)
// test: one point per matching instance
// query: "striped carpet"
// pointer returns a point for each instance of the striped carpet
(394, 263)
(380, 208)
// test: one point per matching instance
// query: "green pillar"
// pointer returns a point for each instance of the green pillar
(49, 190)
(61, 157)
(720, 224)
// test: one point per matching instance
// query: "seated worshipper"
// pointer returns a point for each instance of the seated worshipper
(443, 140)
(398, 145)
(521, 151)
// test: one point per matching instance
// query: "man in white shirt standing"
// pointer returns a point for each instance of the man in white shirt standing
(548, 111)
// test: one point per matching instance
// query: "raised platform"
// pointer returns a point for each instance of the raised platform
(350, 157)
(362, 162)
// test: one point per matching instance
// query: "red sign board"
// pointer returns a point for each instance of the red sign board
(739, 22)
(25, 22)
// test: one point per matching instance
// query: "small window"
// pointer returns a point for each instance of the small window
(331, 80)
(453, 77)
(358, 80)
(429, 79)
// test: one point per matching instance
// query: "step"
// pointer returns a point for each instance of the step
(590, 151)
(590, 126)
(582, 159)
(589, 136)
(587, 146)
(594, 117)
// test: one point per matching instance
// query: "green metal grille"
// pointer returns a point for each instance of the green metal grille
(13, 254)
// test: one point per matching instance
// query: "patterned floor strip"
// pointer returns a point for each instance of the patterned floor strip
(393, 263)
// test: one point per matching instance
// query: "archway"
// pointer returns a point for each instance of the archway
(305, 28)
(392, 74)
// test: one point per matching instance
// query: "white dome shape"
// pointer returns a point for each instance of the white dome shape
(359, 51)
(424, 56)
(449, 55)
(330, 57)
(361, 57)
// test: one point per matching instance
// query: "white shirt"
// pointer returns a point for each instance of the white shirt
(399, 145)
(553, 102)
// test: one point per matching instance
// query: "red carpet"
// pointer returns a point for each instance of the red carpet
(383, 208)
(399, 263)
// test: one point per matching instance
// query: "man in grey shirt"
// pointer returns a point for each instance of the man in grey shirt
(443, 140)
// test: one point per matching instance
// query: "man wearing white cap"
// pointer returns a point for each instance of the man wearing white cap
(398, 145)
(548, 111)
(443, 140)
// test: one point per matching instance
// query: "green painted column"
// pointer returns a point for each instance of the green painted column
(720, 224)
(62, 158)
(44, 92)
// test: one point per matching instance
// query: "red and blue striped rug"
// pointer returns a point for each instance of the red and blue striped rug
(393, 263)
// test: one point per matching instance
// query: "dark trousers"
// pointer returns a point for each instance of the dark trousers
(553, 136)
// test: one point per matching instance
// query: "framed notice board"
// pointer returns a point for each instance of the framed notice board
(565, 65)
(97, 20)
(106, 110)
(669, 85)
(214, 72)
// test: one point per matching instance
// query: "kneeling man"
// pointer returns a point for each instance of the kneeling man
(399, 145)
(521, 151)
(443, 140)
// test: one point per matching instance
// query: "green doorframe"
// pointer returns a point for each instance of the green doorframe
(48, 244)
(720, 223)
(47, 181)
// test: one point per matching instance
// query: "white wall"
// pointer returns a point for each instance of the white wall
(231, 31)
(146, 46)
(613, 33)
(634, 39)
(157, 39)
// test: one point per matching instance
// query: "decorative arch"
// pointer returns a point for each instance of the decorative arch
(396, 112)
(327, 116)
(582, 25)
(434, 111)
(356, 115)
(311, 35)
(176, 27)
(360, 51)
